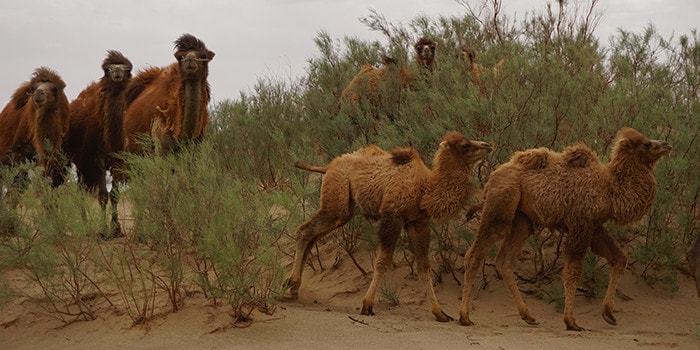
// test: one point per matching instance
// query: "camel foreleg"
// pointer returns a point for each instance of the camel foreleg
(389, 231)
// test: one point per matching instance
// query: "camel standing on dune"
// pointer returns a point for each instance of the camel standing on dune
(35, 123)
(97, 131)
(572, 192)
(397, 189)
(170, 103)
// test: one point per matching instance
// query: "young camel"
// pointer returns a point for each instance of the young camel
(571, 192)
(397, 189)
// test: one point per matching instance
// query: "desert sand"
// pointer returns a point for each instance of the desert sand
(326, 316)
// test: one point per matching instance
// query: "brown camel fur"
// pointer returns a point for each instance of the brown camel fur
(693, 257)
(380, 88)
(170, 103)
(574, 193)
(477, 69)
(97, 130)
(35, 124)
(397, 189)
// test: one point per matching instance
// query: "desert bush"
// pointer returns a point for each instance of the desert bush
(207, 226)
(53, 244)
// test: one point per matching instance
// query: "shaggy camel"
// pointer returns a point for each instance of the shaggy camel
(381, 88)
(571, 192)
(397, 189)
(97, 131)
(35, 123)
(693, 257)
(170, 103)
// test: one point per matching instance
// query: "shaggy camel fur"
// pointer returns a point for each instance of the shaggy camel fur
(35, 123)
(97, 131)
(571, 192)
(693, 257)
(381, 88)
(397, 189)
(170, 103)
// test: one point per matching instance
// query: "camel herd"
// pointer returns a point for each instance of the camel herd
(572, 192)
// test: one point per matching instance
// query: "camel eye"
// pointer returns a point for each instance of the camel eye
(203, 56)
(647, 144)
(464, 147)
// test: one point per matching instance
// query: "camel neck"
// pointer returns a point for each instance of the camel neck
(113, 112)
(633, 189)
(192, 90)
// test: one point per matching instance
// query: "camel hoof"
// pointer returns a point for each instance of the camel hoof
(464, 321)
(367, 311)
(530, 320)
(573, 327)
(443, 317)
(609, 318)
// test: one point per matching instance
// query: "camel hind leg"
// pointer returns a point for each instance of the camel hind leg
(510, 250)
(497, 218)
(320, 224)
(605, 246)
(389, 231)
(419, 236)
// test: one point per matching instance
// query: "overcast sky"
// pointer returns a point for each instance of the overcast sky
(251, 38)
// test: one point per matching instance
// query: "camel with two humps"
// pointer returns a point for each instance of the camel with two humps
(399, 191)
(571, 192)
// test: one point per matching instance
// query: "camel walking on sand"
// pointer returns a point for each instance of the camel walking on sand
(574, 193)
(397, 189)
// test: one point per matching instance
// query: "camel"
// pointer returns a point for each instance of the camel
(97, 131)
(170, 103)
(397, 189)
(35, 123)
(693, 257)
(574, 193)
(477, 69)
(381, 87)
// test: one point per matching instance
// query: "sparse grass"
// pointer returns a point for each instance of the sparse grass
(390, 293)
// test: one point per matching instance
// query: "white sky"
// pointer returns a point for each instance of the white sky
(251, 38)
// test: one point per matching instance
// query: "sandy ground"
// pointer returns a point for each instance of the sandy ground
(329, 301)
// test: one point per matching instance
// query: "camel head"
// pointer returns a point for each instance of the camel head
(425, 52)
(46, 87)
(466, 54)
(461, 149)
(631, 144)
(116, 67)
(192, 56)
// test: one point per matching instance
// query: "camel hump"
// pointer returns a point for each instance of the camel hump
(579, 156)
(532, 159)
(140, 82)
(402, 156)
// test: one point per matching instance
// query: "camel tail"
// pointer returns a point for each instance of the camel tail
(318, 169)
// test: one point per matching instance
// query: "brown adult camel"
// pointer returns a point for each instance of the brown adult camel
(170, 103)
(35, 123)
(397, 189)
(97, 131)
(574, 193)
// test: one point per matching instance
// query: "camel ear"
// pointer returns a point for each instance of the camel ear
(211, 54)
(443, 144)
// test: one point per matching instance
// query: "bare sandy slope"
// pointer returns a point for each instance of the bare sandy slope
(321, 318)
